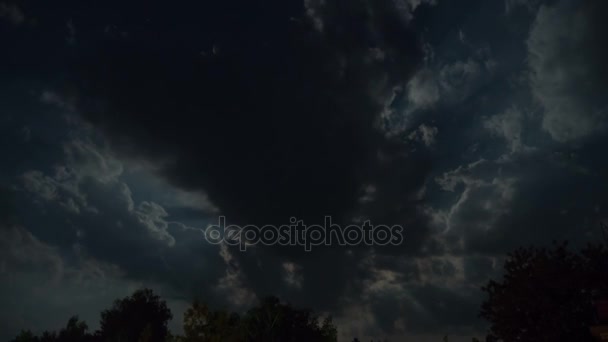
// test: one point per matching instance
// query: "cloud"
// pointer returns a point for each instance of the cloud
(494, 203)
(530, 5)
(566, 53)
(12, 13)
(292, 277)
(300, 140)
(509, 126)
(315, 10)
(42, 288)
(267, 129)
(481, 202)
(442, 83)
(413, 299)
(423, 89)
(23, 251)
(99, 208)
(408, 7)
(450, 82)
(84, 207)
(232, 284)
(424, 133)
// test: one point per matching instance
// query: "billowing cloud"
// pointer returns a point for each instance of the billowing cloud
(267, 128)
(566, 52)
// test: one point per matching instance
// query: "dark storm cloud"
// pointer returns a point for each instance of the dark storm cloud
(67, 188)
(269, 113)
(84, 207)
(568, 72)
(73, 223)
(278, 123)
(543, 182)
(503, 204)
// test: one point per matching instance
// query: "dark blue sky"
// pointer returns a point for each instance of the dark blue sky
(127, 128)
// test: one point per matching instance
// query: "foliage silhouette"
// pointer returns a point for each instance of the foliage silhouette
(547, 295)
(74, 331)
(144, 317)
(205, 325)
(141, 317)
(269, 321)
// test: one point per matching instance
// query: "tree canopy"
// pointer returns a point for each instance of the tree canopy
(547, 294)
(271, 320)
(144, 317)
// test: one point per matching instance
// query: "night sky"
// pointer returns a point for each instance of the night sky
(127, 127)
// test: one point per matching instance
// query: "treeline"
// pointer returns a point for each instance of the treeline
(144, 317)
(545, 294)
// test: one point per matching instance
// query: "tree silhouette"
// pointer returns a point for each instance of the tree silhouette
(547, 295)
(269, 321)
(26, 336)
(74, 331)
(204, 325)
(272, 320)
(141, 317)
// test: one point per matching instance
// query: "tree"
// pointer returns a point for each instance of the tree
(269, 321)
(272, 320)
(489, 338)
(547, 295)
(74, 331)
(141, 317)
(25, 336)
(329, 332)
(204, 325)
